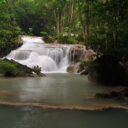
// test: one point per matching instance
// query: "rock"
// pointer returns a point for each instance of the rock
(108, 95)
(39, 75)
(74, 68)
(23, 70)
(20, 41)
(76, 53)
(90, 55)
(124, 92)
(85, 71)
(55, 42)
(71, 69)
(115, 94)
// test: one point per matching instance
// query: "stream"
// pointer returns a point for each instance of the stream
(59, 100)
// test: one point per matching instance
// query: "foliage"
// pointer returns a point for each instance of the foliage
(9, 30)
(30, 31)
(37, 69)
(8, 69)
(84, 64)
(81, 43)
(107, 32)
(47, 38)
(35, 15)
(99, 24)
(67, 38)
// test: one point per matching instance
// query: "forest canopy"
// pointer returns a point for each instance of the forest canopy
(98, 24)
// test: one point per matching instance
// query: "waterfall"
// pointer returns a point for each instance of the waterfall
(34, 51)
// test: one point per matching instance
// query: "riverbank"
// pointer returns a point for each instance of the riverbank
(60, 107)
(11, 68)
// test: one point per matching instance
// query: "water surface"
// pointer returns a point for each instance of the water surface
(55, 89)
(56, 101)
(29, 117)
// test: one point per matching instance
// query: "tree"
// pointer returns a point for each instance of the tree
(9, 29)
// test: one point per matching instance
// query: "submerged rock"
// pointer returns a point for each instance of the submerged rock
(121, 93)
(79, 53)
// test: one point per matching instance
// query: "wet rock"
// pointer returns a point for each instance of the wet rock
(74, 68)
(124, 92)
(108, 95)
(90, 55)
(20, 41)
(80, 53)
(39, 75)
(85, 71)
(23, 70)
(114, 94)
(76, 53)
(71, 69)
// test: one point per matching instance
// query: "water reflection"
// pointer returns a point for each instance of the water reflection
(55, 89)
(29, 117)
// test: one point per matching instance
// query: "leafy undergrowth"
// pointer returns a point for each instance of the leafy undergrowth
(8, 69)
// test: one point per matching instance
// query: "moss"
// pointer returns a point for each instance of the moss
(84, 64)
(67, 39)
(8, 69)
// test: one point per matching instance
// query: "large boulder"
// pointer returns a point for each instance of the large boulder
(23, 70)
(76, 53)
(90, 55)
(80, 53)
(74, 68)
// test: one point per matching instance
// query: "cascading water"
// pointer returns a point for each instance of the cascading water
(33, 52)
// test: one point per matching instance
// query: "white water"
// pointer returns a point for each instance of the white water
(33, 52)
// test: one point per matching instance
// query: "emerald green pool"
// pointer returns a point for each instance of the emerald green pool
(29, 117)
(57, 90)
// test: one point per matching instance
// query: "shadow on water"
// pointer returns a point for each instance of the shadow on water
(31, 117)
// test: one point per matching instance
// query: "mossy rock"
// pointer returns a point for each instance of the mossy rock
(12, 68)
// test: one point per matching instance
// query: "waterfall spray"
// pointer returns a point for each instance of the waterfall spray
(33, 52)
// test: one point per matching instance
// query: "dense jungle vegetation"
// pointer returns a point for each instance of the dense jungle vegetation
(98, 24)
